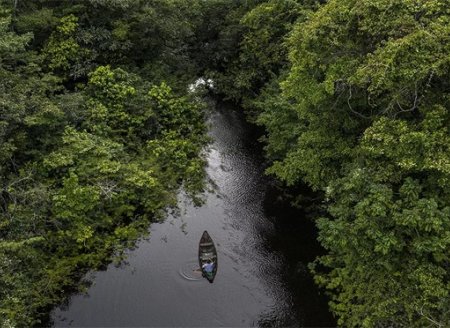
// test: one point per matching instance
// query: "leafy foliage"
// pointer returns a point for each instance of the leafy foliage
(91, 154)
(97, 134)
(360, 113)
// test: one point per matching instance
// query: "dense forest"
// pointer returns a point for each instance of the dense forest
(98, 132)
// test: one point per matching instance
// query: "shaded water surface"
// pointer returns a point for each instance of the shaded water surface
(263, 249)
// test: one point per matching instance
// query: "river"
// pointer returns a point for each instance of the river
(263, 249)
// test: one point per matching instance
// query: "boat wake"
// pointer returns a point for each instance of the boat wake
(190, 271)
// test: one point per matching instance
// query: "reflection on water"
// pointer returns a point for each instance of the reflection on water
(263, 245)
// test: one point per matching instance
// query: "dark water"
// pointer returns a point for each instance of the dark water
(263, 249)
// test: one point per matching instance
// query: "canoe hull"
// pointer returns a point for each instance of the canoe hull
(207, 251)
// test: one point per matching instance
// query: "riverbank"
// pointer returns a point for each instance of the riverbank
(262, 280)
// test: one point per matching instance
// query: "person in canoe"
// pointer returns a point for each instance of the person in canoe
(208, 266)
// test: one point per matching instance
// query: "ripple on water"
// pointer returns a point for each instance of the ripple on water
(190, 271)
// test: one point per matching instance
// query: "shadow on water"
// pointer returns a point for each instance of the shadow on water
(294, 238)
(289, 242)
(263, 246)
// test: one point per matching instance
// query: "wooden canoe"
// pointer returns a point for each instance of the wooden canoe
(207, 252)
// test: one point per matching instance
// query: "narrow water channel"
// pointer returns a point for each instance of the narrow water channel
(263, 249)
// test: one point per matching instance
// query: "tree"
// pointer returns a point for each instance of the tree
(91, 153)
(371, 95)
